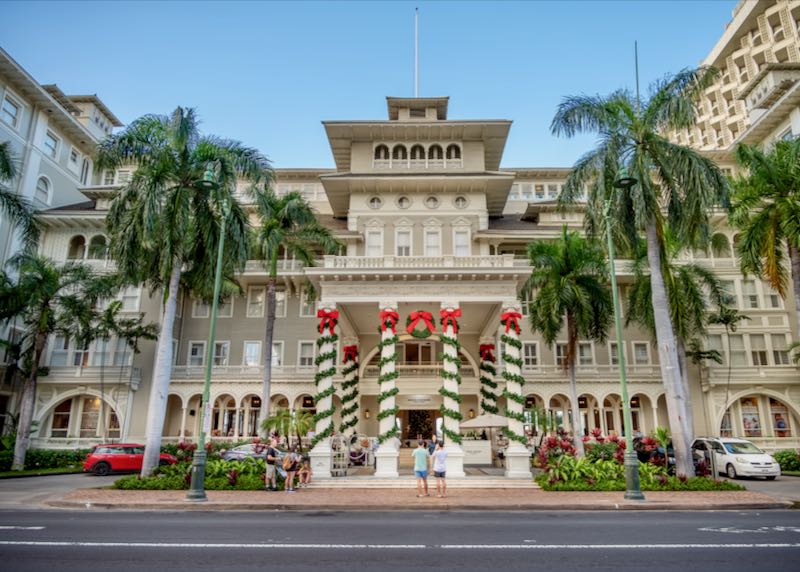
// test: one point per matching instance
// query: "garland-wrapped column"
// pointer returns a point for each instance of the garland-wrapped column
(349, 387)
(387, 454)
(451, 380)
(517, 455)
(487, 375)
(325, 361)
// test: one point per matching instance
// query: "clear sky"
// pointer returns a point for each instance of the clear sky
(267, 73)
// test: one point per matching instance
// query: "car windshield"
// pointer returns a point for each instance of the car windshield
(745, 448)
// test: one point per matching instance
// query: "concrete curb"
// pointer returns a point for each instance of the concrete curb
(4, 477)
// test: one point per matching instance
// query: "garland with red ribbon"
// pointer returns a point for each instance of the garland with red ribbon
(486, 351)
(350, 353)
(413, 320)
(327, 319)
(509, 319)
(449, 318)
(488, 384)
(391, 317)
(349, 389)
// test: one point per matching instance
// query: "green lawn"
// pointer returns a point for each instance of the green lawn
(790, 473)
(39, 472)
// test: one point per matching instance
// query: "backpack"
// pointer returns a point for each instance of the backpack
(288, 461)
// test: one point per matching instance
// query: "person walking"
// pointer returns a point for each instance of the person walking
(421, 457)
(272, 456)
(290, 464)
(439, 467)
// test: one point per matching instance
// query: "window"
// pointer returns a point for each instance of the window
(73, 157)
(561, 354)
(758, 349)
(730, 293)
(306, 354)
(280, 304)
(772, 298)
(435, 153)
(108, 177)
(225, 307)
(51, 145)
(403, 202)
(221, 352)
(539, 192)
(309, 192)
(780, 349)
(400, 155)
(641, 353)
(60, 425)
(613, 354)
(255, 301)
(10, 112)
(381, 153)
(460, 202)
(530, 357)
(307, 306)
(585, 355)
(453, 151)
(738, 355)
(90, 416)
(130, 299)
(60, 353)
(715, 343)
(375, 203)
(123, 176)
(461, 243)
(433, 243)
(197, 352)
(403, 243)
(174, 351)
(552, 191)
(749, 294)
(123, 355)
(252, 354)
(374, 243)
(85, 171)
(102, 352)
(43, 190)
(431, 202)
(200, 309)
(277, 354)
(80, 357)
(97, 247)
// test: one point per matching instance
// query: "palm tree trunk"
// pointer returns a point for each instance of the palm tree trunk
(688, 420)
(159, 390)
(794, 258)
(268, 336)
(577, 422)
(668, 356)
(27, 405)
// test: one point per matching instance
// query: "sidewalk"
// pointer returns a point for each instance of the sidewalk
(405, 499)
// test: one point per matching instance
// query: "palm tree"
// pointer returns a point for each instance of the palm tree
(164, 223)
(18, 210)
(569, 281)
(287, 422)
(766, 208)
(729, 318)
(690, 289)
(699, 357)
(45, 298)
(288, 225)
(675, 184)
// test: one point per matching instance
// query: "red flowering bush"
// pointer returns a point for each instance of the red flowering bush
(553, 448)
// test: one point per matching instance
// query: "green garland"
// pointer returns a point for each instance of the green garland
(452, 342)
(489, 397)
(327, 392)
(515, 436)
(385, 378)
(349, 399)
(515, 397)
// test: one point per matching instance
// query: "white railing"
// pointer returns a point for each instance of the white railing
(419, 262)
(257, 266)
(417, 370)
(551, 370)
(111, 374)
(241, 371)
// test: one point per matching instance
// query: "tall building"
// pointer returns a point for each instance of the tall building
(431, 222)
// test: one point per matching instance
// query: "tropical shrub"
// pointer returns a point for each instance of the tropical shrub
(46, 458)
(246, 475)
(788, 459)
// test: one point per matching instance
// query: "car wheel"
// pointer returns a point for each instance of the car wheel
(101, 469)
(731, 471)
(772, 478)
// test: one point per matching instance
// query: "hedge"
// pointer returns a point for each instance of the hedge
(45, 458)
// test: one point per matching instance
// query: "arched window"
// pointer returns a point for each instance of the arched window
(417, 156)
(453, 151)
(435, 152)
(97, 247)
(399, 153)
(224, 417)
(60, 423)
(77, 248)
(382, 153)
(43, 190)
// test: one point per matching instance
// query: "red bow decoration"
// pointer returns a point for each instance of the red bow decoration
(511, 318)
(449, 317)
(391, 316)
(327, 318)
(350, 353)
(487, 352)
(415, 317)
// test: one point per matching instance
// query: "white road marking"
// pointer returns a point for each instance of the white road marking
(55, 543)
(759, 530)
(21, 528)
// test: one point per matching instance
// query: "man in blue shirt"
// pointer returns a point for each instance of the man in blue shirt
(421, 457)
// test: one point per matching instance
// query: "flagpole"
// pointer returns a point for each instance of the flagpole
(416, 52)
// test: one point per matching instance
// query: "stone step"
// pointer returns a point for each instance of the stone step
(409, 482)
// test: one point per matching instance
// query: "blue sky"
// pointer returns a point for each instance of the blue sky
(267, 73)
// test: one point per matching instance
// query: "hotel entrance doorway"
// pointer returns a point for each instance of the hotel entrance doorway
(418, 423)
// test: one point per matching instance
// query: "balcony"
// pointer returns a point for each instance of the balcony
(195, 373)
(769, 85)
(111, 375)
(418, 262)
(417, 370)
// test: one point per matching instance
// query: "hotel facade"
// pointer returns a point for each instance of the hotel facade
(429, 222)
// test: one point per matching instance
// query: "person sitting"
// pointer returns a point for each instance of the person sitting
(305, 473)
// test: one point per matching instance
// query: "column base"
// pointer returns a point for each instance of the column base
(518, 462)
(386, 458)
(322, 458)
(455, 461)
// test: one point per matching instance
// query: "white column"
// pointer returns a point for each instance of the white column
(389, 451)
(183, 423)
(488, 372)
(518, 458)
(321, 454)
(350, 408)
(451, 399)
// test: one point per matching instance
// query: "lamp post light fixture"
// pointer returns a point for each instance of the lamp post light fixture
(197, 490)
(633, 490)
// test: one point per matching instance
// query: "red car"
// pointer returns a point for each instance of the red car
(122, 457)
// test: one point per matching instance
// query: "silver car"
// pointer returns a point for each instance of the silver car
(248, 450)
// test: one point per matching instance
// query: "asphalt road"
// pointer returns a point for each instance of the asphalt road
(121, 541)
(30, 491)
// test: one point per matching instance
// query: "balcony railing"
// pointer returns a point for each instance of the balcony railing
(417, 370)
(418, 262)
(248, 372)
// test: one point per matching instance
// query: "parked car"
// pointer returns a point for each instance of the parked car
(104, 459)
(736, 457)
(248, 450)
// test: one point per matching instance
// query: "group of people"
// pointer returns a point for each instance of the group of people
(291, 464)
(431, 458)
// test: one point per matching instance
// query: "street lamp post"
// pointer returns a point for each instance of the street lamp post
(633, 490)
(197, 490)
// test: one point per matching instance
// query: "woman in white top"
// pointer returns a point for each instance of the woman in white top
(439, 459)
